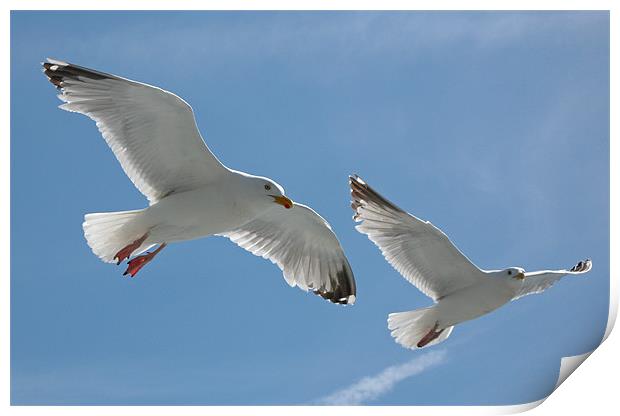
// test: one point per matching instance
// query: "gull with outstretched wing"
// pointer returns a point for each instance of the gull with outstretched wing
(426, 257)
(191, 194)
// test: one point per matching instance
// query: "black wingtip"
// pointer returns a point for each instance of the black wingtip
(58, 71)
(343, 290)
(349, 300)
(362, 193)
(582, 266)
(354, 177)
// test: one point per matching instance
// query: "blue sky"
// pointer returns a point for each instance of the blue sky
(494, 126)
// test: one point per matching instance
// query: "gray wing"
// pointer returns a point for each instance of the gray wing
(417, 249)
(152, 132)
(537, 282)
(304, 247)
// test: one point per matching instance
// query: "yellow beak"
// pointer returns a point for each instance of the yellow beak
(282, 200)
(520, 276)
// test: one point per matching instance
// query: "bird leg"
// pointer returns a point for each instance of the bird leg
(432, 334)
(126, 251)
(134, 265)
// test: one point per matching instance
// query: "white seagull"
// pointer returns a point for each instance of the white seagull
(427, 258)
(191, 194)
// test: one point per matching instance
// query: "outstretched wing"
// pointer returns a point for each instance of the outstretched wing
(417, 249)
(537, 282)
(152, 132)
(304, 247)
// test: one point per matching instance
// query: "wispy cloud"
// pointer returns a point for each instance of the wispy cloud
(372, 387)
(337, 37)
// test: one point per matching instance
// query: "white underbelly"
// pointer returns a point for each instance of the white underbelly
(473, 302)
(194, 214)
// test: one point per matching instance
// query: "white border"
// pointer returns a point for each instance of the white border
(591, 391)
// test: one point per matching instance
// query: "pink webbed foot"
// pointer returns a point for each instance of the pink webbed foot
(126, 251)
(134, 265)
(432, 335)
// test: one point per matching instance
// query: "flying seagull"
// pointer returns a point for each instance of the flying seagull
(427, 258)
(191, 194)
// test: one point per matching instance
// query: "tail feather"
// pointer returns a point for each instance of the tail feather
(409, 328)
(108, 232)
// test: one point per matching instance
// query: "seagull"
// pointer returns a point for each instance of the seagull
(426, 257)
(191, 194)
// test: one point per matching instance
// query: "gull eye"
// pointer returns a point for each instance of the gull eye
(267, 187)
(509, 272)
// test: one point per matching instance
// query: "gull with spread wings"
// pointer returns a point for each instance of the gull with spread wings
(427, 258)
(191, 194)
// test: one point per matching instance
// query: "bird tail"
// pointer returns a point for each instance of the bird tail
(108, 232)
(417, 329)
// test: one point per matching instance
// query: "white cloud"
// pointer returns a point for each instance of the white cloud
(372, 387)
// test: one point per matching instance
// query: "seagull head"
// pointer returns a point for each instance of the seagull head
(271, 190)
(515, 273)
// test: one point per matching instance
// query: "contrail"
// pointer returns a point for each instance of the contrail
(372, 387)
